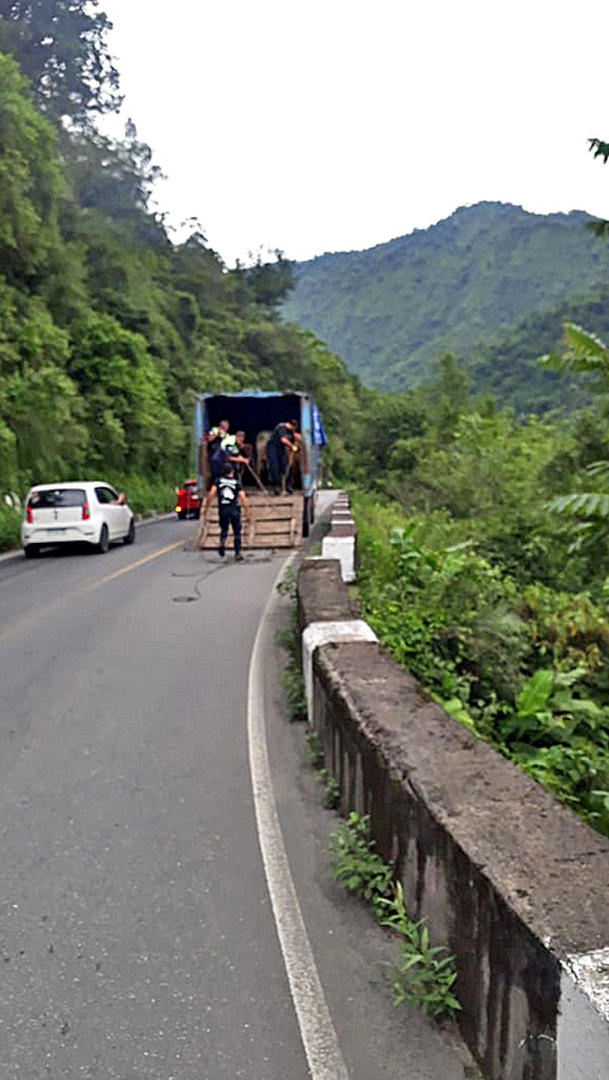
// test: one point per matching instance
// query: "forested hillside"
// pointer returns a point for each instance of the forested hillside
(390, 310)
(506, 363)
(107, 329)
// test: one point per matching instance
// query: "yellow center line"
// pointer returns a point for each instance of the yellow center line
(28, 621)
(134, 565)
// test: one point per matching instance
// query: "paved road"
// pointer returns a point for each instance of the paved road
(136, 933)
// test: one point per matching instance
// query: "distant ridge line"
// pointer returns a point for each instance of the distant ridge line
(391, 310)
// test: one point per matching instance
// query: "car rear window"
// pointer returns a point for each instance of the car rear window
(51, 500)
(190, 487)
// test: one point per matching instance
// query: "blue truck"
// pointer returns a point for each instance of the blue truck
(275, 521)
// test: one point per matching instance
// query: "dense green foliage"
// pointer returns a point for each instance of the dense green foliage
(497, 602)
(388, 311)
(505, 364)
(60, 46)
(107, 329)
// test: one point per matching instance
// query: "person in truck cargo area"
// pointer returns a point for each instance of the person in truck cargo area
(231, 497)
(281, 440)
(215, 435)
(231, 448)
(214, 438)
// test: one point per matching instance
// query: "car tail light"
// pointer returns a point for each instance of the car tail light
(29, 517)
(86, 513)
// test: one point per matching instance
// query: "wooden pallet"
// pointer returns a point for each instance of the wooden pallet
(276, 522)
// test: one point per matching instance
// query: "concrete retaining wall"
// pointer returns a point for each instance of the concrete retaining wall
(514, 884)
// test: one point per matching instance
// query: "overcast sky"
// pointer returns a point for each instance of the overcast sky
(332, 125)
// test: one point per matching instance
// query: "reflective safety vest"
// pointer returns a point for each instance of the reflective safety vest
(229, 445)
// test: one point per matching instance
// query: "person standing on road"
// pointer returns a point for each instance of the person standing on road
(231, 497)
(281, 439)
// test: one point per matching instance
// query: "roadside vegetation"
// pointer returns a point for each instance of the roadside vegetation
(484, 570)
(108, 330)
(423, 974)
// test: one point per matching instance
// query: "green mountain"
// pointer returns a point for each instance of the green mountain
(390, 310)
(505, 363)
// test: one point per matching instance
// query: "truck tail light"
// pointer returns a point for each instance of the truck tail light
(86, 513)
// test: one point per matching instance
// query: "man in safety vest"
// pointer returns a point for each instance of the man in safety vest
(230, 449)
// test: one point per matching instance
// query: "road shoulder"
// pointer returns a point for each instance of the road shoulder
(352, 953)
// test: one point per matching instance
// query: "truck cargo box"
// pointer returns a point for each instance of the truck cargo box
(277, 521)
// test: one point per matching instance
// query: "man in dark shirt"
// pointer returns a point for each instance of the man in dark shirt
(214, 437)
(282, 438)
(231, 497)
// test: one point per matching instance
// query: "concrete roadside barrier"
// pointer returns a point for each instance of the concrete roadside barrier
(322, 633)
(339, 543)
(514, 884)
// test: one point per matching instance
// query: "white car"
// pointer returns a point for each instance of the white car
(86, 511)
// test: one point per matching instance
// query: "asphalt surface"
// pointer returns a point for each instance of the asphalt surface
(136, 934)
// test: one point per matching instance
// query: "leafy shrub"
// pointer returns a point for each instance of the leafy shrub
(316, 754)
(524, 668)
(331, 789)
(10, 522)
(355, 865)
(293, 687)
(424, 974)
(146, 495)
(291, 677)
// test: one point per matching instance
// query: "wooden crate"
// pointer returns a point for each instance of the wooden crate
(276, 522)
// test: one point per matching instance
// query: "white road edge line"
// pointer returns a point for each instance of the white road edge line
(317, 1031)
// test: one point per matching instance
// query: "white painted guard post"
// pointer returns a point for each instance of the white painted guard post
(340, 541)
(323, 633)
(338, 544)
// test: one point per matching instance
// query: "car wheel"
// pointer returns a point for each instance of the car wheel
(130, 537)
(31, 551)
(104, 540)
(182, 515)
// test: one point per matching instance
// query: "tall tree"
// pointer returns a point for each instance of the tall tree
(115, 177)
(61, 47)
(30, 181)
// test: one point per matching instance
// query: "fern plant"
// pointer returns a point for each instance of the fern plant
(588, 511)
